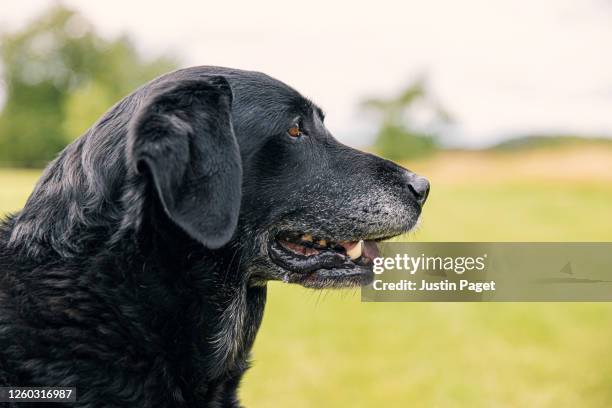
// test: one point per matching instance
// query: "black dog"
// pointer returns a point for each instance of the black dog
(137, 270)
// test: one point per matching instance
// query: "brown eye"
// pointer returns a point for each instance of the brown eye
(294, 131)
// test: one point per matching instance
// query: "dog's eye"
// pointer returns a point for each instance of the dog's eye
(294, 131)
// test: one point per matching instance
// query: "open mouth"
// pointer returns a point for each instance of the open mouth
(321, 262)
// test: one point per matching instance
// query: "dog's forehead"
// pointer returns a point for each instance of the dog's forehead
(256, 93)
(255, 88)
(261, 105)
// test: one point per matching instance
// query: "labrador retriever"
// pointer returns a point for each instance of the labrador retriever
(137, 269)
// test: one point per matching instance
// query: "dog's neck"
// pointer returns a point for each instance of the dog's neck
(116, 232)
(211, 299)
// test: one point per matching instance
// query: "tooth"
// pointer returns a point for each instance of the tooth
(355, 251)
(307, 237)
(322, 242)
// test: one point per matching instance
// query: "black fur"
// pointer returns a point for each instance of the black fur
(137, 270)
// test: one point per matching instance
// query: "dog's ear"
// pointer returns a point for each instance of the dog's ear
(182, 136)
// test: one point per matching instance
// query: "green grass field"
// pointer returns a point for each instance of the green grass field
(327, 349)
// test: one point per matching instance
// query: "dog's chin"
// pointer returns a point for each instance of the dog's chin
(332, 278)
(321, 263)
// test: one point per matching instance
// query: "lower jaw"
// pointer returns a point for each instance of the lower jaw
(331, 278)
(326, 270)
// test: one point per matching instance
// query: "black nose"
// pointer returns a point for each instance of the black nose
(420, 188)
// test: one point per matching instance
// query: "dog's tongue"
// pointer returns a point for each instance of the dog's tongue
(357, 249)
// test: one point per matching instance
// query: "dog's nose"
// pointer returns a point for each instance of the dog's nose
(419, 187)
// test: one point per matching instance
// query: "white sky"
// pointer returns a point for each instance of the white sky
(500, 67)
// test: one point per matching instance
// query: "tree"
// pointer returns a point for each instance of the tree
(59, 76)
(398, 136)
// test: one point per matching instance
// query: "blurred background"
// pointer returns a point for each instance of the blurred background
(506, 106)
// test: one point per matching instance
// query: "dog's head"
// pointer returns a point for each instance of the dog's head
(238, 158)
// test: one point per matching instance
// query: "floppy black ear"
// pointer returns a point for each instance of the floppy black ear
(183, 136)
